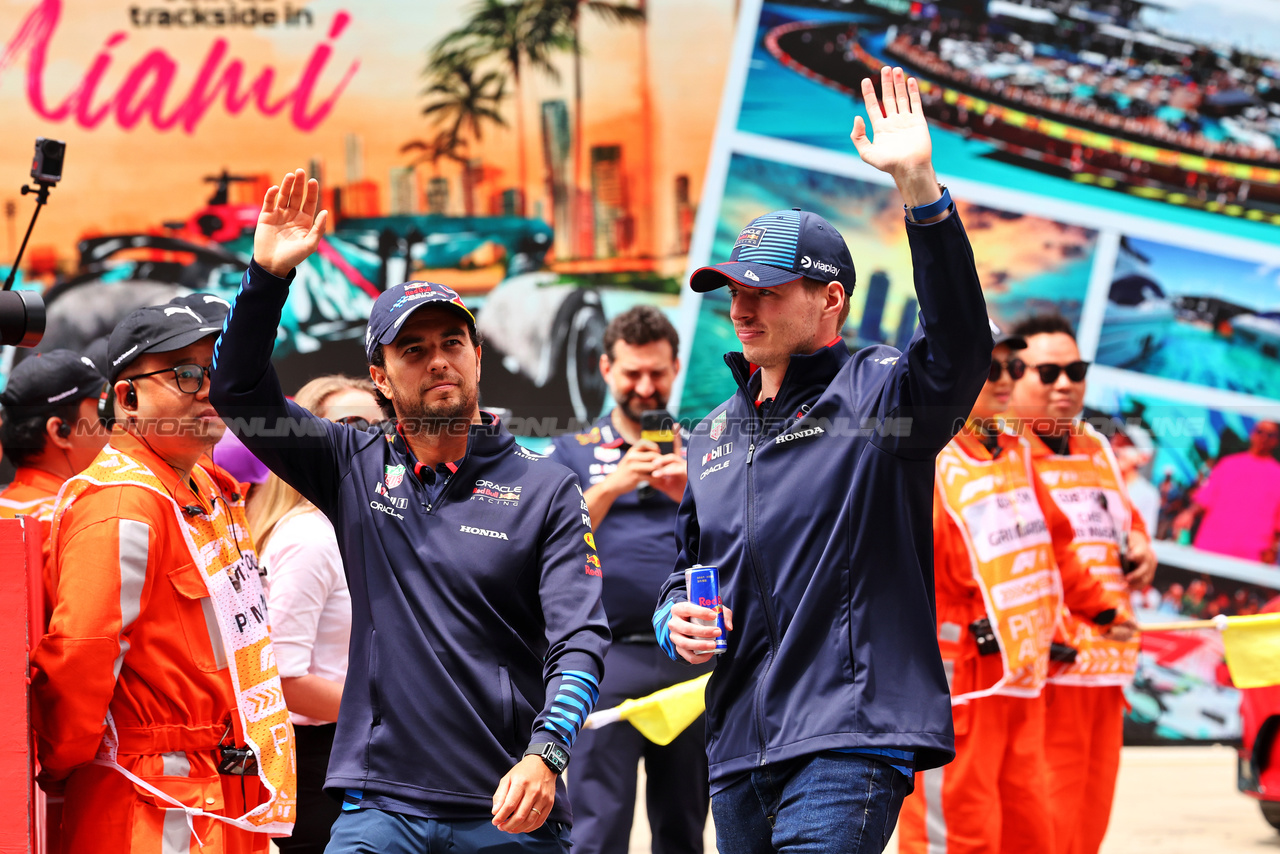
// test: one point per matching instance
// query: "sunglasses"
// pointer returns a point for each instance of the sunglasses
(1050, 372)
(357, 421)
(1015, 366)
(190, 378)
(1267, 432)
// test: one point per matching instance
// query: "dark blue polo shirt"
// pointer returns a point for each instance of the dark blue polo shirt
(636, 541)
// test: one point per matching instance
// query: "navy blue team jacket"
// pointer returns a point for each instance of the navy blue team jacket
(636, 539)
(477, 627)
(817, 507)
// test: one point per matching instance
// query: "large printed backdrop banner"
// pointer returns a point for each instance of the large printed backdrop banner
(1115, 162)
(552, 186)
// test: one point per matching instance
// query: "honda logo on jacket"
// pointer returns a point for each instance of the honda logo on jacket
(481, 532)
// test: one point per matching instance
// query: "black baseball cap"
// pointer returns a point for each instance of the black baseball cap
(51, 379)
(394, 305)
(998, 337)
(155, 329)
(211, 307)
(781, 247)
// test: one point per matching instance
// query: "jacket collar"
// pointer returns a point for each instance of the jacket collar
(609, 436)
(806, 376)
(181, 493)
(490, 438)
(972, 445)
(37, 479)
(1040, 449)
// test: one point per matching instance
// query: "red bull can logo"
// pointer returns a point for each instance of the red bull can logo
(703, 586)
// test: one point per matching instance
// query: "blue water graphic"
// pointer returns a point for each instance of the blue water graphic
(1195, 354)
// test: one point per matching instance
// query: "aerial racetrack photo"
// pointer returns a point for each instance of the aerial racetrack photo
(1199, 317)
(1118, 105)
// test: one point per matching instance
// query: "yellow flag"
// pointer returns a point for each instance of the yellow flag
(1252, 645)
(662, 715)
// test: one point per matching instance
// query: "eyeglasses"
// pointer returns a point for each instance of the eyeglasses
(357, 421)
(1015, 366)
(1050, 372)
(190, 378)
(1267, 432)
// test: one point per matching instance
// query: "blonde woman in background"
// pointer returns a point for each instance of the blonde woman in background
(310, 609)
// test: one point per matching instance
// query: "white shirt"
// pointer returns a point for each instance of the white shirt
(307, 599)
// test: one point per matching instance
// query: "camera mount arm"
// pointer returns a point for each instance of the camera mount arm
(42, 198)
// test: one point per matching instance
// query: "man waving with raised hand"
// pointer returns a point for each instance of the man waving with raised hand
(477, 635)
(814, 500)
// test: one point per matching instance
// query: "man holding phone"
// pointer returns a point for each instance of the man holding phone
(632, 463)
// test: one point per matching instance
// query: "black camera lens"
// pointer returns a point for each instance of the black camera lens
(22, 318)
(47, 164)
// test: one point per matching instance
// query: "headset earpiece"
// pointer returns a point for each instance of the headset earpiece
(131, 396)
(106, 412)
(64, 429)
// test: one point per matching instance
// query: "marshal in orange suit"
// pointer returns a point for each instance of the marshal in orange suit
(1085, 698)
(157, 655)
(1002, 565)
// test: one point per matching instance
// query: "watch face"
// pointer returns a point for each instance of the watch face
(558, 755)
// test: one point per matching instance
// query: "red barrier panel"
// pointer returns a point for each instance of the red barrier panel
(19, 561)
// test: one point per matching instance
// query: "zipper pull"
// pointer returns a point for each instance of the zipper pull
(751, 452)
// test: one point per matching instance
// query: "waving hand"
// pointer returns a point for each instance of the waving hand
(289, 229)
(900, 143)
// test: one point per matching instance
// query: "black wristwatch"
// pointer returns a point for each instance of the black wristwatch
(556, 757)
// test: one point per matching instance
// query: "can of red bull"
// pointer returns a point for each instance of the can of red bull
(703, 586)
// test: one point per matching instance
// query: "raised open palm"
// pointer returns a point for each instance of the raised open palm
(900, 135)
(289, 229)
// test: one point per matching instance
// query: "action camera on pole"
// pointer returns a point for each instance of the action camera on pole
(22, 315)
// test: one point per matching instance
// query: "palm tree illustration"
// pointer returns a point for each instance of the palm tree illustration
(442, 146)
(462, 98)
(570, 12)
(519, 34)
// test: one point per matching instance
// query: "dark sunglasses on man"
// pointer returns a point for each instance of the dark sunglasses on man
(1049, 372)
(1015, 366)
(190, 378)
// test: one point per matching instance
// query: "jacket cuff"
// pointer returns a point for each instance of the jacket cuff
(259, 276)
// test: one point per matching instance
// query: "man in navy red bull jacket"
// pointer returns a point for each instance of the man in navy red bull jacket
(811, 490)
(477, 637)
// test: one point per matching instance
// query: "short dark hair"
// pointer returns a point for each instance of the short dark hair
(1044, 323)
(23, 435)
(812, 285)
(379, 360)
(638, 326)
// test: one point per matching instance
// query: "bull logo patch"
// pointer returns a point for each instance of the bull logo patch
(750, 236)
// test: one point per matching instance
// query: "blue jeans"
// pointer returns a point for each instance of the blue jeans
(373, 831)
(834, 803)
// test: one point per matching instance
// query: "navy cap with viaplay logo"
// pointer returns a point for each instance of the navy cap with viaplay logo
(781, 247)
(394, 305)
